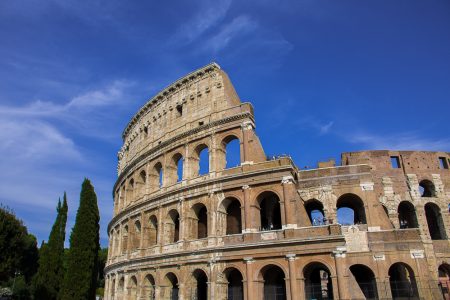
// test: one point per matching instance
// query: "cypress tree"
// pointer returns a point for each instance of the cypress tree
(48, 280)
(81, 273)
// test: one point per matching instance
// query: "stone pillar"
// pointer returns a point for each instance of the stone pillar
(143, 226)
(249, 274)
(301, 288)
(159, 237)
(292, 277)
(246, 128)
(340, 261)
(247, 210)
(288, 190)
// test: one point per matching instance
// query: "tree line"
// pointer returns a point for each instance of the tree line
(53, 272)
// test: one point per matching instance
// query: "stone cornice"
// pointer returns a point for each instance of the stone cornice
(165, 92)
(176, 138)
(221, 249)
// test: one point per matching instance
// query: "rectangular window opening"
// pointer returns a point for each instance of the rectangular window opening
(443, 164)
(395, 162)
(200, 123)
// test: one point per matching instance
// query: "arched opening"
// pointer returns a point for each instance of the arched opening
(235, 288)
(130, 190)
(318, 283)
(125, 239)
(169, 290)
(157, 176)
(149, 287)
(269, 211)
(178, 160)
(122, 197)
(274, 283)
(234, 221)
(435, 222)
(172, 231)
(121, 286)
(444, 280)
(200, 226)
(350, 210)
(153, 230)
(407, 215)
(201, 285)
(232, 149)
(137, 235)
(132, 289)
(427, 189)
(113, 288)
(314, 209)
(142, 180)
(203, 159)
(117, 249)
(366, 284)
(402, 282)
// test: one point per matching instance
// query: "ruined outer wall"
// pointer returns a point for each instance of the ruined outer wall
(155, 233)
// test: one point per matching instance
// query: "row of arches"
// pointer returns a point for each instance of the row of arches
(176, 168)
(271, 283)
(229, 220)
(350, 210)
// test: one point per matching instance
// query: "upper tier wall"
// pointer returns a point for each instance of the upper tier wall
(201, 97)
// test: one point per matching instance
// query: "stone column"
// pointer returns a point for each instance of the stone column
(143, 226)
(301, 288)
(340, 261)
(292, 277)
(247, 210)
(249, 274)
(289, 220)
(246, 128)
(159, 237)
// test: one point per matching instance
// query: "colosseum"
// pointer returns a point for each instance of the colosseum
(187, 225)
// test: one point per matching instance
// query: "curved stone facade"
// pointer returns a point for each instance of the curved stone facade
(376, 227)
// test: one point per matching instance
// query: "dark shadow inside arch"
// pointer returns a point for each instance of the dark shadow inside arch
(201, 285)
(318, 283)
(427, 189)
(435, 222)
(366, 281)
(172, 287)
(402, 282)
(234, 222)
(174, 229)
(407, 215)
(274, 283)
(270, 213)
(202, 221)
(149, 287)
(235, 289)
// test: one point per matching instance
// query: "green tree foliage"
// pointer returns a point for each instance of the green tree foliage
(18, 251)
(82, 262)
(47, 282)
(102, 257)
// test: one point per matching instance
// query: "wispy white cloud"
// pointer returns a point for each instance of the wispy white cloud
(241, 25)
(208, 16)
(400, 141)
(34, 140)
(319, 125)
(107, 96)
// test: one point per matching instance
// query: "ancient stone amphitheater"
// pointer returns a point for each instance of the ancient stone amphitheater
(375, 227)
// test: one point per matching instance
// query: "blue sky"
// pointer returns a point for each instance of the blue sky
(324, 77)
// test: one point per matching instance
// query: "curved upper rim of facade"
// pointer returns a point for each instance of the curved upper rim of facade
(164, 93)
